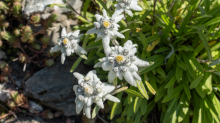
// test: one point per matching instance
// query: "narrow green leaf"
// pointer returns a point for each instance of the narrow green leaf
(215, 62)
(171, 82)
(213, 21)
(95, 111)
(115, 106)
(86, 6)
(175, 92)
(75, 65)
(137, 103)
(133, 93)
(196, 81)
(161, 91)
(179, 73)
(125, 30)
(142, 89)
(206, 44)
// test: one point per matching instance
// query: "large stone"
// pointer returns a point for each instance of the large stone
(53, 86)
(40, 6)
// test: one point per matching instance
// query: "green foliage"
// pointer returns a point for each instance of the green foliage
(182, 39)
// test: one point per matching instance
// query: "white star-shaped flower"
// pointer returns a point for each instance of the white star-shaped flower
(121, 62)
(126, 5)
(68, 44)
(106, 27)
(91, 90)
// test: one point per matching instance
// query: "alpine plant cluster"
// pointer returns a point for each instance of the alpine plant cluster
(121, 62)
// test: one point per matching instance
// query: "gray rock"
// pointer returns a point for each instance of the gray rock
(39, 6)
(35, 106)
(53, 86)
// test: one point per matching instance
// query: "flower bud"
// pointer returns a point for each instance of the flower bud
(31, 40)
(36, 46)
(45, 39)
(5, 24)
(17, 32)
(49, 62)
(23, 39)
(35, 18)
(3, 6)
(2, 17)
(22, 58)
(6, 35)
(54, 16)
(16, 8)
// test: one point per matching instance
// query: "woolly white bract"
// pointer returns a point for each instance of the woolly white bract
(106, 27)
(121, 62)
(125, 6)
(68, 44)
(91, 90)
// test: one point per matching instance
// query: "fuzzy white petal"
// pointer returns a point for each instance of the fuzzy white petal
(68, 52)
(98, 17)
(107, 51)
(116, 33)
(118, 18)
(63, 32)
(79, 49)
(133, 68)
(55, 49)
(106, 66)
(99, 64)
(63, 57)
(112, 98)
(90, 74)
(100, 104)
(78, 75)
(105, 13)
(136, 76)
(111, 76)
(107, 88)
(89, 101)
(79, 106)
(136, 7)
(129, 78)
(88, 111)
(140, 63)
(105, 42)
(119, 75)
(118, 11)
(75, 88)
(76, 33)
(129, 13)
(92, 31)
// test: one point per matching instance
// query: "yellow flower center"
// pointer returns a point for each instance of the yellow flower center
(65, 41)
(119, 58)
(106, 24)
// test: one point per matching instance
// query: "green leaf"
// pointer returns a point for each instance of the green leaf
(75, 65)
(206, 44)
(162, 49)
(95, 111)
(172, 103)
(160, 71)
(137, 103)
(133, 93)
(198, 27)
(161, 91)
(171, 82)
(83, 56)
(196, 81)
(175, 92)
(86, 6)
(181, 64)
(142, 89)
(184, 107)
(143, 40)
(143, 106)
(115, 106)
(179, 73)
(215, 62)
(213, 21)
(125, 30)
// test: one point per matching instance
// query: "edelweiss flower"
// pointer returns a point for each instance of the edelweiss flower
(68, 44)
(126, 5)
(122, 62)
(91, 90)
(106, 27)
